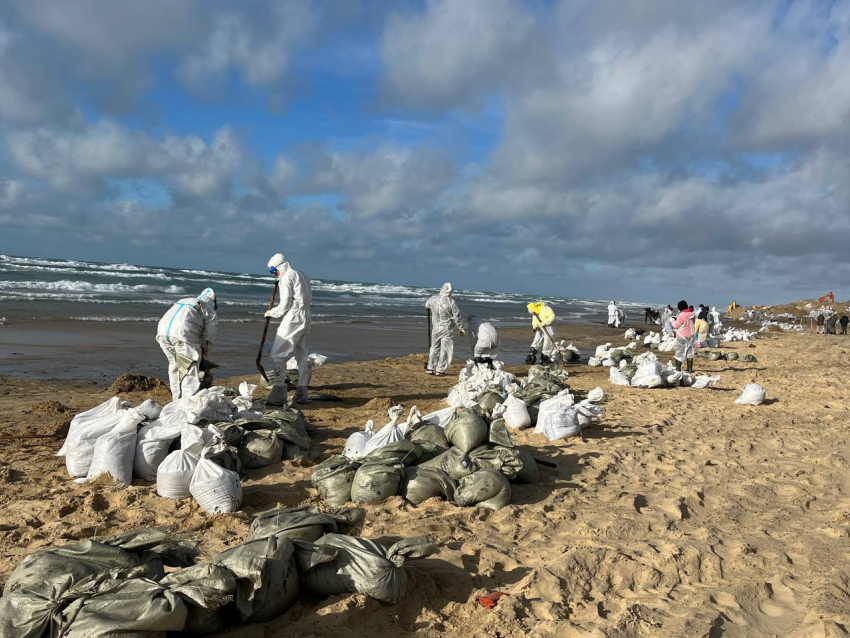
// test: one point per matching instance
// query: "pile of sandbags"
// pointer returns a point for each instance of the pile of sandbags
(118, 586)
(474, 380)
(569, 353)
(646, 371)
(465, 455)
(782, 326)
(196, 446)
(608, 356)
(738, 334)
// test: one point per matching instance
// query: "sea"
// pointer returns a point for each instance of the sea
(48, 289)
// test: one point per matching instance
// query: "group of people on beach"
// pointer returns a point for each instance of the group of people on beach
(830, 325)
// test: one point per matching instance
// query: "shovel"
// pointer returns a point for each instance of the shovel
(265, 331)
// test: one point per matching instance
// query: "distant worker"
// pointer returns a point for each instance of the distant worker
(445, 317)
(293, 309)
(701, 326)
(821, 323)
(652, 316)
(186, 333)
(714, 322)
(613, 315)
(666, 317)
(844, 321)
(683, 324)
(544, 335)
(830, 323)
(483, 339)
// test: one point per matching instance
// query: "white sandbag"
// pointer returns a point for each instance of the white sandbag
(608, 363)
(617, 378)
(515, 413)
(753, 394)
(630, 334)
(557, 417)
(217, 490)
(597, 395)
(89, 421)
(194, 439)
(174, 474)
(149, 409)
(648, 375)
(587, 413)
(701, 381)
(601, 350)
(390, 433)
(152, 444)
(78, 448)
(113, 455)
(356, 443)
(594, 362)
(440, 417)
(246, 390)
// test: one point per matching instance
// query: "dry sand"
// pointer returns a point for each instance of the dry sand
(681, 514)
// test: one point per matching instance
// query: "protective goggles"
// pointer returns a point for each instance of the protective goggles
(272, 270)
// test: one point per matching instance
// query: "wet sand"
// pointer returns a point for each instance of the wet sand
(680, 514)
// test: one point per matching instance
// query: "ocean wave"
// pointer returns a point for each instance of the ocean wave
(34, 261)
(372, 289)
(67, 285)
(21, 268)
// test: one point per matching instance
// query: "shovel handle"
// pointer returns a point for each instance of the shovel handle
(265, 332)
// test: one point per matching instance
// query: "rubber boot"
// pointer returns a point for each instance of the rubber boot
(545, 360)
(531, 358)
(691, 366)
(277, 396)
(677, 365)
(302, 395)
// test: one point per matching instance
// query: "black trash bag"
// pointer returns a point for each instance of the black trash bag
(498, 434)
(467, 430)
(376, 482)
(428, 433)
(333, 477)
(421, 483)
(207, 590)
(266, 577)
(453, 462)
(358, 565)
(306, 523)
(529, 473)
(260, 448)
(484, 488)
(403, 452)
(506, 460)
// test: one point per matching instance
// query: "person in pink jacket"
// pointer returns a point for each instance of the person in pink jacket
(683, 324)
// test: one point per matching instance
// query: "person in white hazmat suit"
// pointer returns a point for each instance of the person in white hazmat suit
(186, 333)
(542, 319)
(293, 309)
(613, 315)
(483, 339)
(445, 317)
(715, 324)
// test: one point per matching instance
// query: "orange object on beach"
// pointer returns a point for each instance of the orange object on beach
(488, 601)
(830, 298)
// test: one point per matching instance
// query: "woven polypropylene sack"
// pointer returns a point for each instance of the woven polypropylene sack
(333, 478)
(467, 430)
(484, 488)
(174, 475)
(217, 490)
(376, 482)
(422, 483)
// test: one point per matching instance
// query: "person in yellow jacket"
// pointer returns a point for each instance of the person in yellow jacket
(542, 318)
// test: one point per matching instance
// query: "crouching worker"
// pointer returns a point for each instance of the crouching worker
(544, 335)
(186, 333)
(683, 324)
(483, 339)
(293, 310)
(445, 317)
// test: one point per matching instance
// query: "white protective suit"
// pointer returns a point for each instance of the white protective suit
(540, 343)
(716, 324)
(186, 334)
(613, 315)
(483, 338)
(445, 317)
(293, 309)
(666, 318)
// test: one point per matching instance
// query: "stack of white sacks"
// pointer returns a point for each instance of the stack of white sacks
(107, 440)
(474, 379)
(782, 326)
(738, 334)
(651, 373)
(604, 355)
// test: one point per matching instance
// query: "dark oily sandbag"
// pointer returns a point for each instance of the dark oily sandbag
(295, 446)
(484, 488)
(616, 356)
(260, 448)
(714, 356)
(206, 590)
(629, 370)
(266, 577)
(306, 523)
(498, 434)
(467, 430)
(333, 478)
(293, 416)
(403, 452)
(422, 483)
(529, 473)
(732, 356)
(489, 399)
(229, 433)
(502, 459)
(748, 358)
(226, 457)
(137, 607)
(570, 356)
(429, 451)
(376, 482)
(429, 433)
(453, 462)
(359, 565)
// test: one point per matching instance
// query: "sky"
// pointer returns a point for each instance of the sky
(648, 150)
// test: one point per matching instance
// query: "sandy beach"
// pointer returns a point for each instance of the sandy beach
(680, 514)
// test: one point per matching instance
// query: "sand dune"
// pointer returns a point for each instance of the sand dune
(681, 514)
